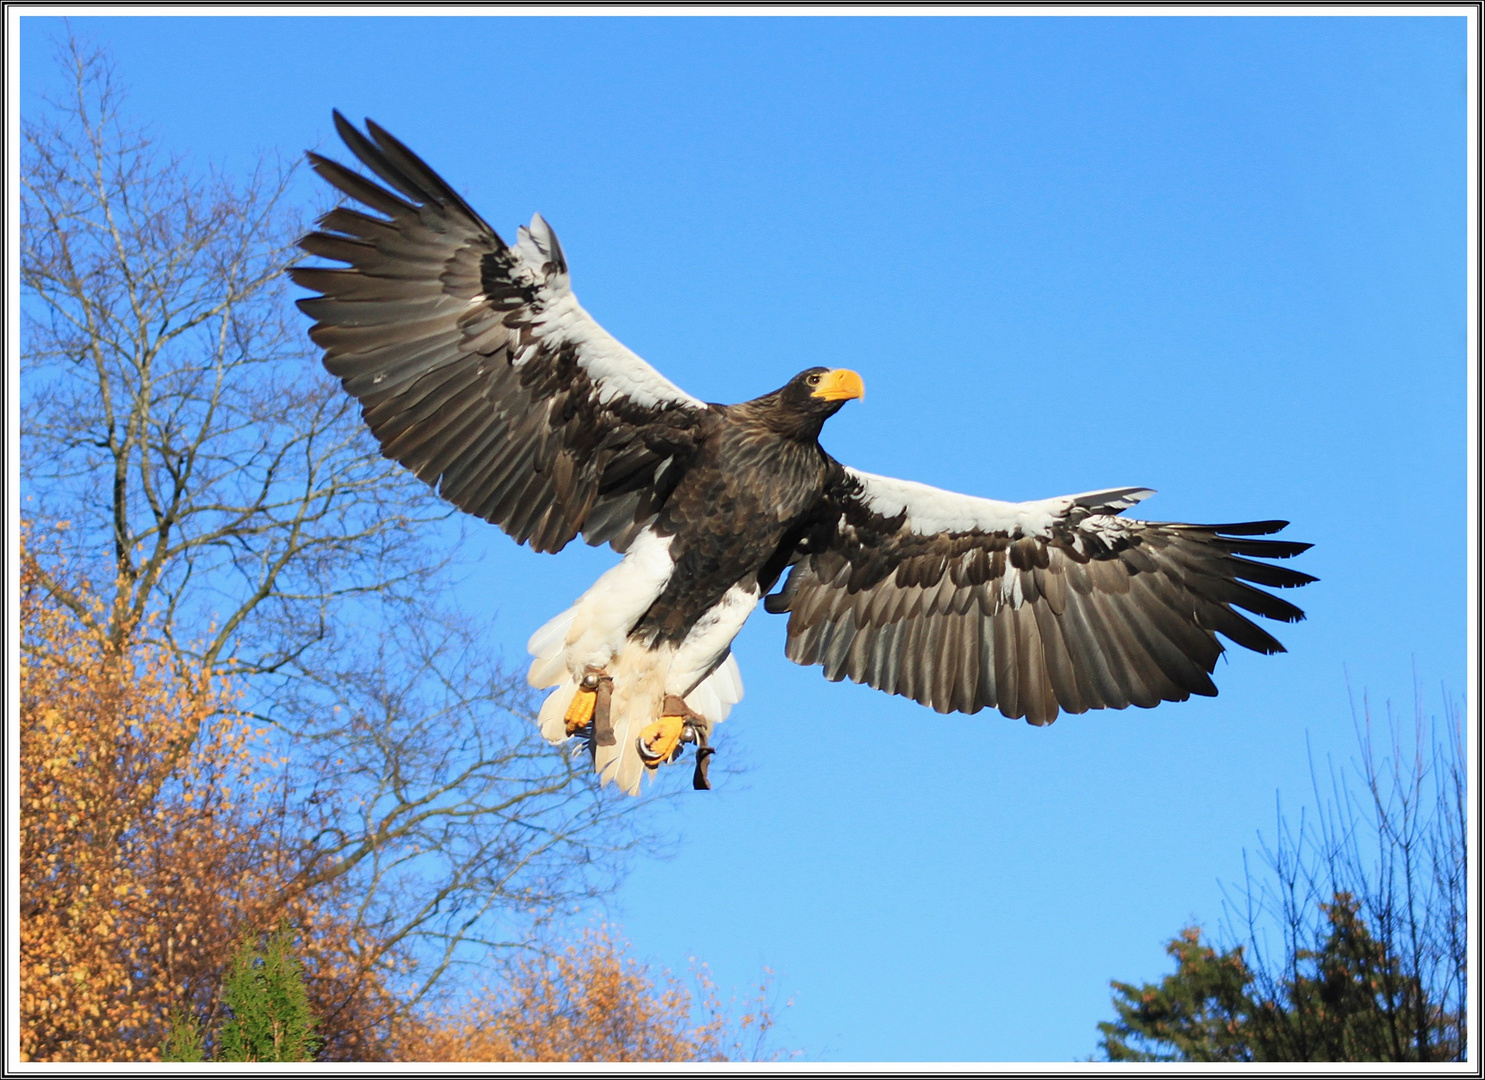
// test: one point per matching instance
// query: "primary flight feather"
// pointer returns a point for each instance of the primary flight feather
(476, 368)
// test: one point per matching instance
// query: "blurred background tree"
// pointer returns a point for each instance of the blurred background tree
(151, 843)
(244, 696)
(592, 1002)
(1353, 946)
(151, 837)
(1200, 1013)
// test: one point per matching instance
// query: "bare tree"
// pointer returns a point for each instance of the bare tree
(1382, 863)
(1350, 943)
(170, 423)
(184, 446)
(457, 833)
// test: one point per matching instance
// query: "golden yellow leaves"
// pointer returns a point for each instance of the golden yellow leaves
(155, 831)
(144, 850)
(590, 1002)
(104, 842)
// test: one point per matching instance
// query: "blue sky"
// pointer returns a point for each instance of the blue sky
(1221, 257)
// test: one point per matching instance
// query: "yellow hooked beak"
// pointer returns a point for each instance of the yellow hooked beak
(839, 385)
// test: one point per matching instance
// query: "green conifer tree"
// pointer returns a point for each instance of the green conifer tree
(1348, 1000)
(269, 1017)
(184, 1040)
(1200, 1013)
(1357, 943)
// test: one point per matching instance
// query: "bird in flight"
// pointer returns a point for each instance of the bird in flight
(477, 369)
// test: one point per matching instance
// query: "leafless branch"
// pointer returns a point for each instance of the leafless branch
(180, 442)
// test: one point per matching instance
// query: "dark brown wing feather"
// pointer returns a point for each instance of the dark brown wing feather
(476, 367)
(1068, 607)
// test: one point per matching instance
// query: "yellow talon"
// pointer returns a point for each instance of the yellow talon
(659, 740)
(580, 712)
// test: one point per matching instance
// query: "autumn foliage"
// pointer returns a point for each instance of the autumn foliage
(592, 1002)
(155, 835)
(147, 846)
(133, 865)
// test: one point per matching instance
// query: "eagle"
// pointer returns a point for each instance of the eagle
(476, 368)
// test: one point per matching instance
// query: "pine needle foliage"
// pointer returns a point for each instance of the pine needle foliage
(184, 1039)
(269, 1015)
(1200, 1013)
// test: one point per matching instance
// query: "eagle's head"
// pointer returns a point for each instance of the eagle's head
(800, 407)
(820, 391)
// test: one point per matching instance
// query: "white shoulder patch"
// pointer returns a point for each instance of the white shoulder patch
(558, 316)
(932, 510)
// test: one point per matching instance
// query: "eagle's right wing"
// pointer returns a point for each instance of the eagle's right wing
(961, 603)
(477, 368)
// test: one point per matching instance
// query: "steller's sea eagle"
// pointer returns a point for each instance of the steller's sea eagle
(477, 369)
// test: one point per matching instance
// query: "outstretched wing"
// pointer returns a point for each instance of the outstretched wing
(961, 603)
(475, 365)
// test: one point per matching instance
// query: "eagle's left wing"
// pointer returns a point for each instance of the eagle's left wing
(961, 603)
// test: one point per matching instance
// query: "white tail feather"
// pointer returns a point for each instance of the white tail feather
(550, 666)
(718, 692)
(639, 694)
(551, 671)
(548, 640)
(553, 716)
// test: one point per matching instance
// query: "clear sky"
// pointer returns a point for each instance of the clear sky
(1220, 257)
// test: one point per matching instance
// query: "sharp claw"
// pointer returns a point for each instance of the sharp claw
(664, 740)
(659, 741)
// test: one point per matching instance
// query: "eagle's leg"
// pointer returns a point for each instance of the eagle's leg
(696, 731)
(659, 742)
(592, 697)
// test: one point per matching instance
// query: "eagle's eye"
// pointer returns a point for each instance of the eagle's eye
(813, 380)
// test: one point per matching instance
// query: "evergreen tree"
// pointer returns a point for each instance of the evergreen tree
(1200, 1013)
(269, 1019)
(1348, 1000)
(1367, 902)
(184, 1040)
